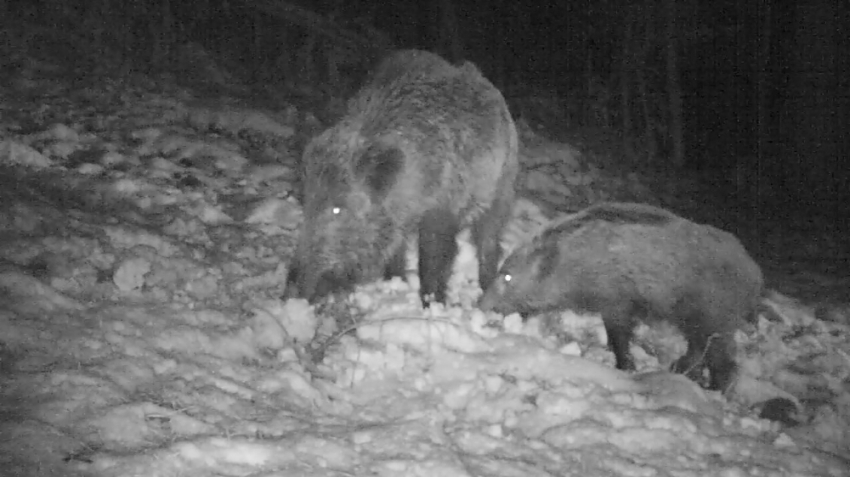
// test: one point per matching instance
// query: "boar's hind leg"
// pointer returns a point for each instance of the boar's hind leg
(619, 320)
(714, 351)
(721, 362)
(437, 249)
(487, 236)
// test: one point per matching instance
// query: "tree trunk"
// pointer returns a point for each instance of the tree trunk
(626, 68)
(650, 140)
(764, 39)
(648, 120)
(162, 33)
(814, 97)
(588, 112)
(447, 34)
(503, 23)
(497, 60)
(674, 90)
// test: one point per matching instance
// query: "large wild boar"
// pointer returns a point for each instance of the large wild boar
(425, 148)
(631, 261)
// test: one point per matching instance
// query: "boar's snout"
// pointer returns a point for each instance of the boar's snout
(307, 283)
(300, 283)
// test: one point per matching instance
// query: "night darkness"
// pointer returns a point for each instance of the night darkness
(306, 237)
(722, 46)
(763, 83)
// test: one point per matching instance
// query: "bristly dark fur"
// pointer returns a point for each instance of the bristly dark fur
(425, 148)
(631, 262)
(615, 213)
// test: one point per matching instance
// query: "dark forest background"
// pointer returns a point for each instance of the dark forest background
(758, 86)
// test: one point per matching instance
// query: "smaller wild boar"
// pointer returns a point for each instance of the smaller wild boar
(631, 261)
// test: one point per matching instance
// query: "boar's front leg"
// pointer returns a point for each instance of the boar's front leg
(437, 250)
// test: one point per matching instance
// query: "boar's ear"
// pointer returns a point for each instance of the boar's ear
(547, 259)
(379, 166)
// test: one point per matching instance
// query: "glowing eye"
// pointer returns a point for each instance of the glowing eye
(336, 210)
(507, 277)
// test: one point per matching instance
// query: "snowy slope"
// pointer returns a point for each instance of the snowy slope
(143, 247)
(162, 389)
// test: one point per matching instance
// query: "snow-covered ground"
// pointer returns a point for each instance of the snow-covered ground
(144, 242)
